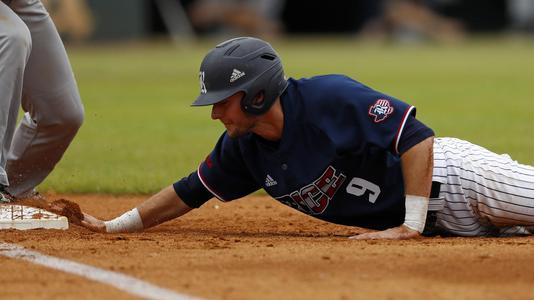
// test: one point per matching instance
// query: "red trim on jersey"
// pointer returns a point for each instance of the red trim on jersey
(399, 131)
(207, 186)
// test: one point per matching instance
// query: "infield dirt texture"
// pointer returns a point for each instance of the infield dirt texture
(258, 249)
(140, 135)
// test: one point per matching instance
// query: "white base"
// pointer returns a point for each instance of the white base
(24, 217)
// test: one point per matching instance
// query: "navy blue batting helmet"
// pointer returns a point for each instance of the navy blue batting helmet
(243, 64)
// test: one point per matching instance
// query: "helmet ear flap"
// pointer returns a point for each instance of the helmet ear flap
(253, 104)
(271, 84)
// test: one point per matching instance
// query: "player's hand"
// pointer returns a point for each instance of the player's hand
(93, 223)
(396, 233)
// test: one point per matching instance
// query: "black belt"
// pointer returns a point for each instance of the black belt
(432, 216)
(436, 188)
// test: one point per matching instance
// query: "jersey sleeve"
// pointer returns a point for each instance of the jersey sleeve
(191, 190)
(223, 174)
(357, 117)
(413, 133)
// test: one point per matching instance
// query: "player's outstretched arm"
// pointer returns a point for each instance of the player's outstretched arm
(417, 167)
(161, 207)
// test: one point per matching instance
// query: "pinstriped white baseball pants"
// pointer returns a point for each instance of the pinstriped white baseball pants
(483, 193)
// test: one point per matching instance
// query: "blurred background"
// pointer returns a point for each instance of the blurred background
(400, 20)
(467, 65)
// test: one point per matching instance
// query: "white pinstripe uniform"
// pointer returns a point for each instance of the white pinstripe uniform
(482, 193)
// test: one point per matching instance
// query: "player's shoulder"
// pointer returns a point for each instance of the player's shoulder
(325, 82)
(324, 93)
(332, 87)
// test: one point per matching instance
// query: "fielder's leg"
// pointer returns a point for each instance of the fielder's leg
(50, 97)
(15, 47)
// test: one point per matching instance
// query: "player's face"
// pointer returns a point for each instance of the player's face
(229, 112)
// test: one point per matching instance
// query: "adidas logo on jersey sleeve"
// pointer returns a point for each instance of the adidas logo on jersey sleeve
(236, 74)
(269, 181)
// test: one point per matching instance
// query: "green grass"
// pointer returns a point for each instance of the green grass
(140, 133)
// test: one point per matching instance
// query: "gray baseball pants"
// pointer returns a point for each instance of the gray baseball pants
(35, 73)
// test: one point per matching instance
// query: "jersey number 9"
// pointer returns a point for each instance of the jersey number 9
(359, 186)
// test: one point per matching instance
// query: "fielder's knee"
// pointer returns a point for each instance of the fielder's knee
(69, 116)
(72, 119)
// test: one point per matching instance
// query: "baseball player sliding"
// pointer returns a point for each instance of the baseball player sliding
(34, 72)
(339, 151)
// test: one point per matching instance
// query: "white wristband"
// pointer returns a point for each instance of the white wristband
(416, 209)
(130, 221)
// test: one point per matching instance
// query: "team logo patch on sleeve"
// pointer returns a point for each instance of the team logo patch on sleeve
(380, 110)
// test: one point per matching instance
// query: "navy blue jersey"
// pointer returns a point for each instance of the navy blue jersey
(337, 159)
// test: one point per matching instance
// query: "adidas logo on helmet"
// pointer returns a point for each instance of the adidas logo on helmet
(236, 74)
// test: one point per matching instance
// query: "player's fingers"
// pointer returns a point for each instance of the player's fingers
(92, 223)
(366, 236)
(396, 233)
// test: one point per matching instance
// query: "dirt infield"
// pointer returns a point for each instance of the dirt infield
(255, 248)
